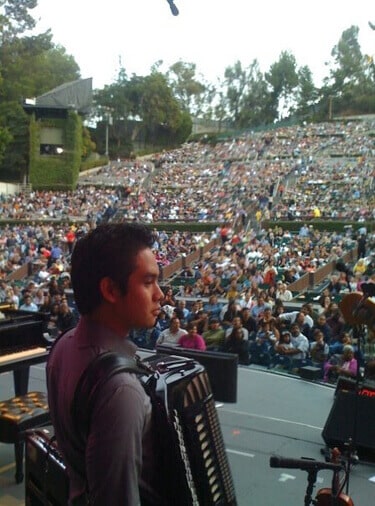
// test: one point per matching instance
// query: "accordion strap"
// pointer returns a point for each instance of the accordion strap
(98, 372)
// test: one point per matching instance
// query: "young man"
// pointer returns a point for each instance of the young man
(115, 282)
(214, 337)
(172, 334)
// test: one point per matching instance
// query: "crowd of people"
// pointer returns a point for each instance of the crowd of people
(323, 170)
(283, 173)
(266, 331)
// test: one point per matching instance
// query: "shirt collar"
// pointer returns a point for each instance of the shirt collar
(90, 333)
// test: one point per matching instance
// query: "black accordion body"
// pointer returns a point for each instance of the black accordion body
(202, 473)
(191, 452)
(46, 477)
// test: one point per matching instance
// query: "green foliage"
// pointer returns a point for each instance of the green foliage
(185, 86)
(143, 111)
(88, 146)
(15, 17)
(283, 79)
(57, 171)
(153, 112)
(16, 139)
(30, 66)
(91, 163)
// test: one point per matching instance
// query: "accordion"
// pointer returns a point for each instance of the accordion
(191, 454)
(202, 474)
(46, 478)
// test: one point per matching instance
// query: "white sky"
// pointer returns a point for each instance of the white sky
(211, 33)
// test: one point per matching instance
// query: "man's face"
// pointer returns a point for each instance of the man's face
(175, 325)
(321, 320)
(294, 330)
(301, 318)
(236, 322)
(267, 314)
(140, 306)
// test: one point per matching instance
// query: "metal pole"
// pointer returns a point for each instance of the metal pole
(106, 137)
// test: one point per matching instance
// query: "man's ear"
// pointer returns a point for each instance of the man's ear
(109, 289)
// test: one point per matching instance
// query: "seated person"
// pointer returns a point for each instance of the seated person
(319, 350)
(65, 319)
(336, 347)
(346, 366)
(305, 322)
(281, 349)
(298, 354)
(237, 323)
(249, 323)
(192, 339)
(235, 342)
(163, 320)
(227, 315)
(269, 318)
(213, 307)
(145, 338)
(215, 335)
(257, 310)
(265, 340)
(321, 325)
(172, 334)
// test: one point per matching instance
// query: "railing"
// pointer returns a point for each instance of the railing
(311, 279)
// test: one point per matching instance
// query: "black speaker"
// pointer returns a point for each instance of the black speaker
(310, 373)
(352, 416)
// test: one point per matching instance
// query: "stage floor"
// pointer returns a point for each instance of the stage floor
(275, 414)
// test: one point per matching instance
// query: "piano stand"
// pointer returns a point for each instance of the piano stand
(21, 380)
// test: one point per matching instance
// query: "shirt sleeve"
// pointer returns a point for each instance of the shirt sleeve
(201, 344)
(114, 449)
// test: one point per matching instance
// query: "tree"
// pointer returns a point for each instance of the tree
(351, 82)
(235, 81)
(348, 68)
(255, 105)
(283, 79)
(142, 108)
(31, 66)
(185, 86)
(306, 94)
(15, 18)
(157, 107)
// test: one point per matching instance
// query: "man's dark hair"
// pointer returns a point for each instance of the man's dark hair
(107, 251)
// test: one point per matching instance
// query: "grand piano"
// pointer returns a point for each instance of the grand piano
(22, 344)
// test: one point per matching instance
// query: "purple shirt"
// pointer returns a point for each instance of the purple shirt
(118, 453)
(195, 342)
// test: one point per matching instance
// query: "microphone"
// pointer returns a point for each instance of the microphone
(305, 464)
(173, 8)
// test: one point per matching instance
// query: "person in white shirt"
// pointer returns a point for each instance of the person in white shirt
(297, 316)
(172, 334)
(237, 324)
(282, 293)
(300, 343)
(28, 304)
